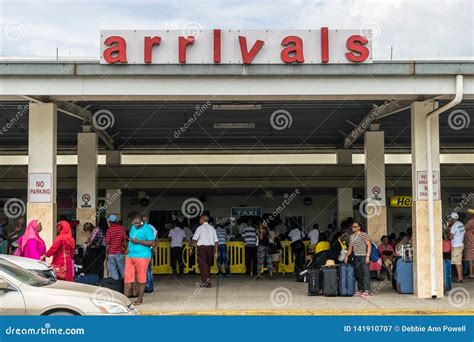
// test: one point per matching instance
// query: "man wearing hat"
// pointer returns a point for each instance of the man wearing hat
(115, 240)
(469, 241)
(457, 243)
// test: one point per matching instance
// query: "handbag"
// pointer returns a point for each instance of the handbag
(61, 271)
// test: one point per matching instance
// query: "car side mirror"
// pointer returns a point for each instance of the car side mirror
(4, 285)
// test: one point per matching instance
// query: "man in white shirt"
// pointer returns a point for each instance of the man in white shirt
(177, 236)
(313, 237)
(205, 239)
(281, 229)
(457, 244)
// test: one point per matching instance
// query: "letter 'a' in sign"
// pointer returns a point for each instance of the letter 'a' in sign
(39, 188)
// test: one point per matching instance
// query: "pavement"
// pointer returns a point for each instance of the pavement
(243, 295)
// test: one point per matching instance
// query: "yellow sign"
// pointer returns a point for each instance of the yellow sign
(400, 201)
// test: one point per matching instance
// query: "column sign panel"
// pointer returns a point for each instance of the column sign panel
(422, 186)
(39, 188)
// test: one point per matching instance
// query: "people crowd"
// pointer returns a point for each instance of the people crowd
(126, 254)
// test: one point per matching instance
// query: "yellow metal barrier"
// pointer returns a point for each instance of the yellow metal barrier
(235, 250)
(162, 259)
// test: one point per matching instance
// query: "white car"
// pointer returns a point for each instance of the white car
(25, 293)
(38, 267)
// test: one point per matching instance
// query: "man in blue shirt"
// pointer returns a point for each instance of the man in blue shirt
(141, 240)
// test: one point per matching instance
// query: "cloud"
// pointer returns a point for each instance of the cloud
(415, 29)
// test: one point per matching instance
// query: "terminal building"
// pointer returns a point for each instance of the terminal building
(315, 142)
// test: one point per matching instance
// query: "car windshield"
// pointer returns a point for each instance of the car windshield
(22, 275)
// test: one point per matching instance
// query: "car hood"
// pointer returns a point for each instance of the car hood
(26, 263)
(86, 291)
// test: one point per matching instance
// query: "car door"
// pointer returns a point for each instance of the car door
(11, 300)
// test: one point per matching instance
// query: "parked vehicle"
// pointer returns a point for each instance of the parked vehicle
(24, 293)
(40, 268)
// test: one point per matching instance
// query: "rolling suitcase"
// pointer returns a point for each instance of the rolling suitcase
(404, 276)
(314, 282)
(447, 277)
(346, 280)
(89, 279)
(329, 275)
(116, 285)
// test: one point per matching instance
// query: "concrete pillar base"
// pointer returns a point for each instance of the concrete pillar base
(421, 248)
(84, 215)
(46, 214)
(376, 222)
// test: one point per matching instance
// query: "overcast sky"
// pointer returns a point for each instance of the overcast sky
(416, 29)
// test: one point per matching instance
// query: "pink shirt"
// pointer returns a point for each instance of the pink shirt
(34, 249)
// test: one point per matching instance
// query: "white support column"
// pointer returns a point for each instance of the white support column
(113, 202)
(42, 139)
(375, 208)
(344, 204)
(87, 151)
(421, 236)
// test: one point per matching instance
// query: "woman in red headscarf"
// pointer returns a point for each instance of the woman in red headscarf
(30, 244)
(62, 252)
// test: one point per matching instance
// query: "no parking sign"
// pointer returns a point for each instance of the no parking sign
(39, 188)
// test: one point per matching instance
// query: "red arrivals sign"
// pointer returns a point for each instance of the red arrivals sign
(235, 47)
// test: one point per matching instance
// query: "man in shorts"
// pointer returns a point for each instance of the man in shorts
(138, 257)
(457, 243)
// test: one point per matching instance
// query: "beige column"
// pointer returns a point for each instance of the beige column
(87, 150)
(42, 139)
(375, 195)
(344, 204)
(421, 237)
(113, 202)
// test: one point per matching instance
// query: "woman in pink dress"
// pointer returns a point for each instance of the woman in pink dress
(30, 244)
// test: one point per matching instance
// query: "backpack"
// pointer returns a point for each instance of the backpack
(374, 253)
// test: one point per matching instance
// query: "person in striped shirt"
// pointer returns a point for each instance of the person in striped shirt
(222, 257)
(116, 240)
(250, 241)
(361, 246)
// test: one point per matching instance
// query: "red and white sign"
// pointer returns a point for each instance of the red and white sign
(422, 186)
(39, 188)
(217, 46)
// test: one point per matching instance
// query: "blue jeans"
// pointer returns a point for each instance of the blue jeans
(116, 264)
(222, 257)
(149, 277)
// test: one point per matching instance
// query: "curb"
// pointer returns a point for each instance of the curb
(377, 312)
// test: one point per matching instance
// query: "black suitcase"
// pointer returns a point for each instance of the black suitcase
(314, 282)
(329, 275)
(116, 285)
